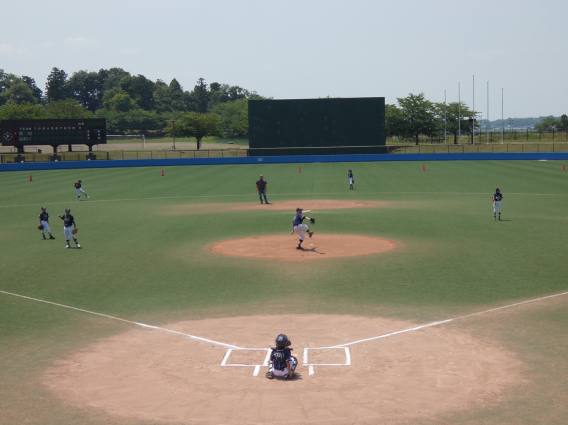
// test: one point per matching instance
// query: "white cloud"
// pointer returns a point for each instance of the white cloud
(8, 51)
(484, 55)
(82, 43)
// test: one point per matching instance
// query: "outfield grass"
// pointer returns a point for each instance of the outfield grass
(142, 261)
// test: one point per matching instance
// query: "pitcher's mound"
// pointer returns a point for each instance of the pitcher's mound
(277, 247)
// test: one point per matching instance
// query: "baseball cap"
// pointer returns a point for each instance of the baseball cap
(79, 181)
(67, 210)
(299, 209)
(42, 208)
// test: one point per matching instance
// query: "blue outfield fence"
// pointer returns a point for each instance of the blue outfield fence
(301, 159)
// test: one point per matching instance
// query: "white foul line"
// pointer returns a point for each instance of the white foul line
(124, 320)
(448, 320)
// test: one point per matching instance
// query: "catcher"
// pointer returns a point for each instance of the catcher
(69, 227)
(300, 228)
(44, 223)
(282, 362)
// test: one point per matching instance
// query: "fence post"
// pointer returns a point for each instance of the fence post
(527, 134)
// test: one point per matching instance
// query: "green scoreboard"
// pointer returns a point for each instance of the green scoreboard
(331, 126)
(19, 133)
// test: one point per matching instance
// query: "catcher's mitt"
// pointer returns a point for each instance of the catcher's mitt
(74, 231)
(40, 227)
(312, 220)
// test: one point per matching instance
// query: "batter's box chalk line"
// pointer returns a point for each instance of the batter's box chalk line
(256, 370)
(256, 366)
(311, 365)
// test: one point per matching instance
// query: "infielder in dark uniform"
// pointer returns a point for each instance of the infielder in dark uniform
(497, 196)
(44, 223)
(282, 362)
(69, 227)
(79, 190)
(300, 228)
(261, 189)
(351, 180)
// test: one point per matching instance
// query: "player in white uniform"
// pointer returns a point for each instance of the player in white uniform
(299, 228)
(68, 226)
(43, 222)
(79, 190)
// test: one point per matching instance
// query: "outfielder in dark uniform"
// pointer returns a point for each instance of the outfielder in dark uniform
(69, 227)
(497, 197)
(44, 223)
(298, 227)
(261, 189)
(351, 179)
(79, 190)
(282, 362)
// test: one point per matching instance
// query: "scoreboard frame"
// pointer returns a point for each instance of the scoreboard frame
(53, 132)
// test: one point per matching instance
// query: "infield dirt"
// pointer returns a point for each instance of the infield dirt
(153, 375)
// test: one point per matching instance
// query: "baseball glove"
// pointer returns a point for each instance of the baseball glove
(40, 227)
(74, 231)
(312, 220)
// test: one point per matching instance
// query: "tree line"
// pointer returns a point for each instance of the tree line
(136, 103)
(129, 102)
(415, 116)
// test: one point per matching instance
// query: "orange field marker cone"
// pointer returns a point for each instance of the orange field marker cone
(31, 178)
(423, 167)
(162, 173)
(563, 167)
(299, 169)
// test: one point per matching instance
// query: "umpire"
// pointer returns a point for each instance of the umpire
(261, 189)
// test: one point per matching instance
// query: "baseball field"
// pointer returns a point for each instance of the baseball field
(409, 304)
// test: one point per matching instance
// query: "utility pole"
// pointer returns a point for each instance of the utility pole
(488, 112)
(445, 120)
(474, 115)
(459, 115)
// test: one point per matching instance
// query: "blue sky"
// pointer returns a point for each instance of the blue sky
(310, 48)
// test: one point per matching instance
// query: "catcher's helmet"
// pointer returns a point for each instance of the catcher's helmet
(282, 341)
(43, 208)
(67, 210)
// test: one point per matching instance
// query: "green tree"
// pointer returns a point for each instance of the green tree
(548, 123)
(564, 120)
(67, 108)
(200, 96)
(120, 102)
(176, 95)
(56, 86)
(36, 91)
(198, 125)
(140, 89)
(455, 125)
(234, 117)
(419, 116)
(18, 92)
(23, 111)
(87, 88)
(394, 119)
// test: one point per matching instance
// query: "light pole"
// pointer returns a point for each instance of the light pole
(445, 120)
(459, 115)
(474, 114)
(174, 132)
